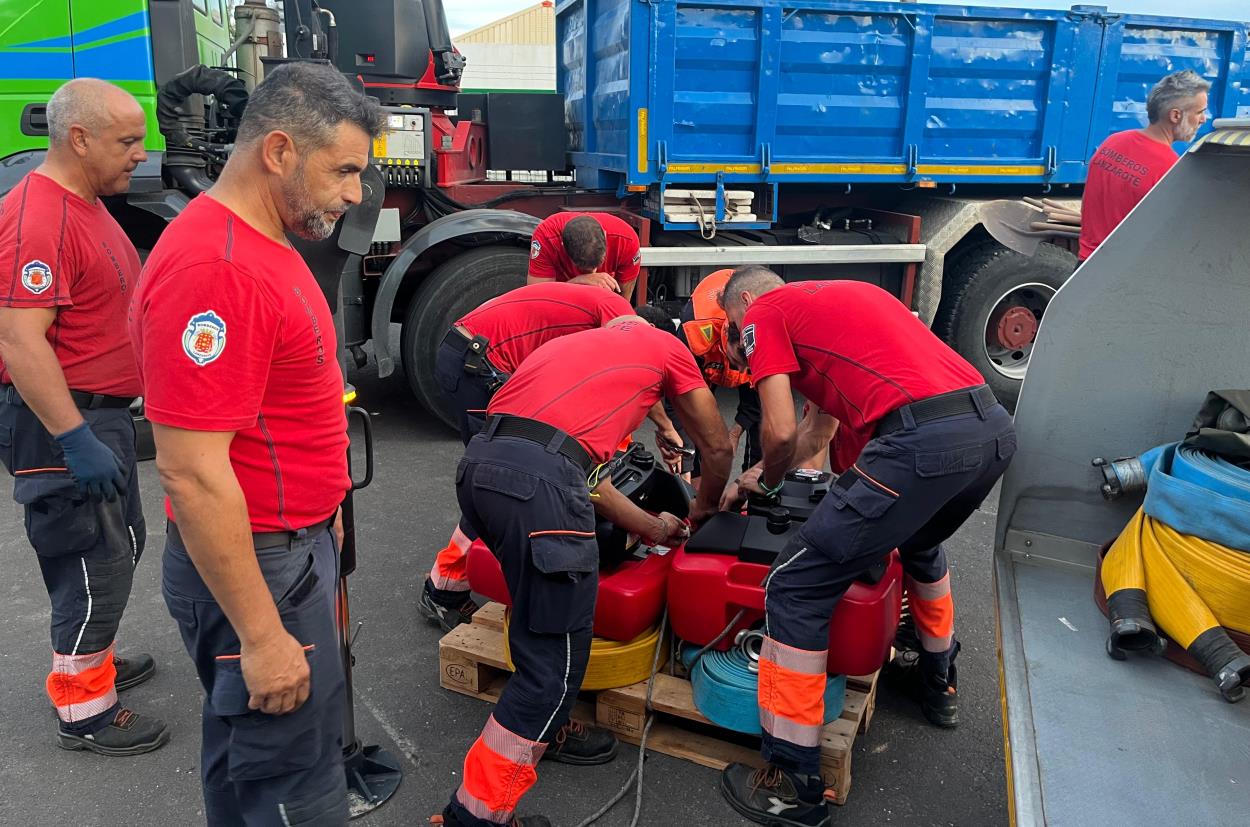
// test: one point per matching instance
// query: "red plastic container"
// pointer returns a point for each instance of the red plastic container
(631, 594)
(705, 591)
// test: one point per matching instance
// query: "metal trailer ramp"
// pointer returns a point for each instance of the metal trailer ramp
(1127, 350)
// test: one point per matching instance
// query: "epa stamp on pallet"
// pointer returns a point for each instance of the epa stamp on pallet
(472, 662)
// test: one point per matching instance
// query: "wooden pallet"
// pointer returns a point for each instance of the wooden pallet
(471, 662)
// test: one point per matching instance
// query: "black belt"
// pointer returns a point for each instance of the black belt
(83, 399)
(970, 400)
(541, 433)
(261, 540)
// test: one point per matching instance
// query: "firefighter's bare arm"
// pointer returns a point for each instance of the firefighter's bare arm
(697, 410)
(211, 514)
(615, 507)
(33, 366)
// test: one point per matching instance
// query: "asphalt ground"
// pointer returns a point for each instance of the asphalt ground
(905, 772)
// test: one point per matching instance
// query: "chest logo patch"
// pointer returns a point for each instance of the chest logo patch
(535, 249)
(748, 339)
(205, 337)
(36, 276)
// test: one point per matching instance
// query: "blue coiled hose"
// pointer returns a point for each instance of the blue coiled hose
(1198, 493)
(725, 690)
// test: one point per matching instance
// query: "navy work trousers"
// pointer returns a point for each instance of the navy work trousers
(531, 506)
(268, 770)
(911, 490)
(87, 554)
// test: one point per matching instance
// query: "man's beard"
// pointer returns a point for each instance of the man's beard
(307, 219)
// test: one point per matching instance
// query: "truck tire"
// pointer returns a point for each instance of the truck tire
(992, 303)
(455, 287)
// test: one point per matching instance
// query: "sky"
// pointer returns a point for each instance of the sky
(464, 15)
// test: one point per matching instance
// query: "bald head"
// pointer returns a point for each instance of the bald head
(620, 320)
(90, 103)
(95, 133)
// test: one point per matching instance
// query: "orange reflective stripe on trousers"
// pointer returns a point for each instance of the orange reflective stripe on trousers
(498, 770)
(82, 685)
(934, 612)
(792, 692)
(451, 567)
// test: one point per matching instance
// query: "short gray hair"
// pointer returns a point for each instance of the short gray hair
(77, 102)
(755, 279)
(1174, 90)
(307, 101)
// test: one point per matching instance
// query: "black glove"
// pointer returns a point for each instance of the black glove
(92, 464)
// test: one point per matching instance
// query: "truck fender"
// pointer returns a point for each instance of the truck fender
(944, 222)
(447, 228)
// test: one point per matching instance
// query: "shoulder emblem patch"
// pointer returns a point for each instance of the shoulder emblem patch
(205, 337)
(748, 339)
(535, 249)
(36, 276)
(637, 257)
(708, 331)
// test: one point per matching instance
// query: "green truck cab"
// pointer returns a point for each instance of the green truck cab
(44, 43)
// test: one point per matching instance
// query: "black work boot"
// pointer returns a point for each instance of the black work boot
(449, 819)
(937, 682)
(773, 796)
(447, 609)
(129, 733)
(577, 743)
(133, 670)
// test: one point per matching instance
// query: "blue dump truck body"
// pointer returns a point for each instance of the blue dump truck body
(760, 92)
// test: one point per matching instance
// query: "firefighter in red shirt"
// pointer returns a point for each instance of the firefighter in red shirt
(585, 248)
(237, 349)
(522, 484)
(480, 351)
(1128, 164)
(67, 379)
(921, 440)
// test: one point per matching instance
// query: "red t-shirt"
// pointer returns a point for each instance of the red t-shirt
(71, 254)
(599, 384)
(853, 350)
(1124, 168)
(233, 334)
(549, 261)
(520, 320)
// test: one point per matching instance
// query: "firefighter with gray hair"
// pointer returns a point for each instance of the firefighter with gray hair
(1128, 164)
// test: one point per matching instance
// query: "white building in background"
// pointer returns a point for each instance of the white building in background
(515, 53)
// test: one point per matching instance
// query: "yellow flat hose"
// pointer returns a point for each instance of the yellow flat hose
(1191, 584)
(612, 664)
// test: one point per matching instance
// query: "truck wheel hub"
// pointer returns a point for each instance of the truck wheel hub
(1016, 327)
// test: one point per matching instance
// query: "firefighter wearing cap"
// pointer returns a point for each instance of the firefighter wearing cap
(67, 379)
(585, 248)
(480, 351)
(920, 443)
(522, 484)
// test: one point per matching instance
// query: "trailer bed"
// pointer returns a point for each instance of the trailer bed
(1110, 736)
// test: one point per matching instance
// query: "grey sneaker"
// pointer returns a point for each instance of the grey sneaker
(448, 617)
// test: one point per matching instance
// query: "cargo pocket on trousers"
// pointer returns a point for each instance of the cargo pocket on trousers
(261, 745)
(564, 582)
(58, 524)
(867, 502)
